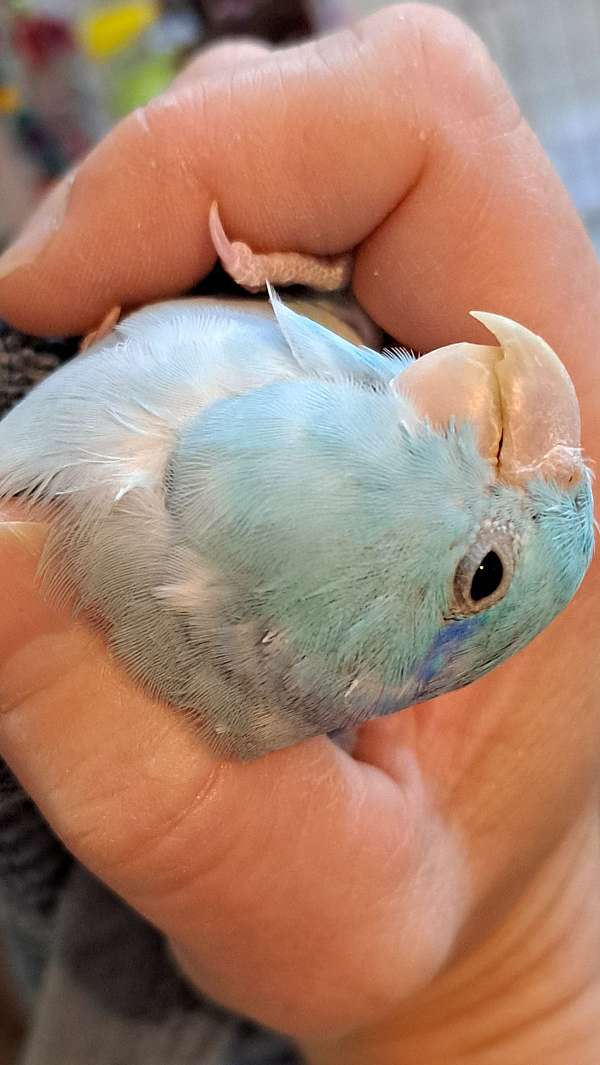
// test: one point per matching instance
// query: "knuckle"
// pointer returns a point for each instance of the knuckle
(149, 845)
(458, 75)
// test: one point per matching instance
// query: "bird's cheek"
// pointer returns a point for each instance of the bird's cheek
(449, 653)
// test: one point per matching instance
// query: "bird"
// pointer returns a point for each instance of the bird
(284, 533)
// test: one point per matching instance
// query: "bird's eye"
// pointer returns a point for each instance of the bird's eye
(487, 577)
(484, 575)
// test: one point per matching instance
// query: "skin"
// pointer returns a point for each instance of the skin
(433, 898)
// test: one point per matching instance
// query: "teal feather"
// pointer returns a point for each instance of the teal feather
(267, 533)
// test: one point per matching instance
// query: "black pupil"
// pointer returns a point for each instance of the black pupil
(487, 577)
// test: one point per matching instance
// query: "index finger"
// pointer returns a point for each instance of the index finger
(397, 136)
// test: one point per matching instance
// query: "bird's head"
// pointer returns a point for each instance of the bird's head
(526, 534)
(398, 536)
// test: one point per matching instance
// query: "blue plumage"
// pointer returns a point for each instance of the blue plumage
(273, 536)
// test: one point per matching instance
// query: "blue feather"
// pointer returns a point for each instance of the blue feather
(269, 533)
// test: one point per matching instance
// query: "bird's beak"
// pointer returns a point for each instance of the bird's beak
(518, 396)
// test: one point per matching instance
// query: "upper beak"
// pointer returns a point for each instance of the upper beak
(518, 396)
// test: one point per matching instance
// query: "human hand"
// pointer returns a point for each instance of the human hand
(323, 894)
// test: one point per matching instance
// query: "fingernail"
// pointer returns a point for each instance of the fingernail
(29, 534)
(44, 223)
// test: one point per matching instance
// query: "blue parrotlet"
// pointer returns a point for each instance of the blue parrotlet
(284, 533)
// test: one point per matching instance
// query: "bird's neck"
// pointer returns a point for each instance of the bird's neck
(529, 993)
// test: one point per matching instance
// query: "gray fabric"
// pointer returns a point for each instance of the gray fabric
(26, 360)
(33, 868)
(111, 995)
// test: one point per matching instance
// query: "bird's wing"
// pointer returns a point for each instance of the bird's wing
(105, 422)
(320, 353)
(107, 419)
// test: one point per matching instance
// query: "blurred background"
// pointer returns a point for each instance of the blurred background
(71, 68)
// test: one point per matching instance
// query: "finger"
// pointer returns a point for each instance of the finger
(242, 865)
(226, 55)
(401, 126)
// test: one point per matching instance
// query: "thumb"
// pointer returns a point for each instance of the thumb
(67, 712)
(241, 865)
